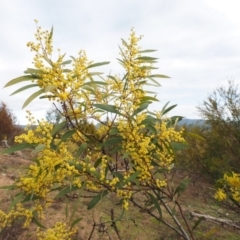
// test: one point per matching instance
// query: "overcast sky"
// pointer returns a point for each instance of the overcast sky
(198, 43)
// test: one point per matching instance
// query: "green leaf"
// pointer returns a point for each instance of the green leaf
(50, 88)
(124, 42)
(151, 129)
(111, 141)
(198, 222)
(50, 35)
(66, 62)
(131, 178)
(94, 83)
(21, 79)
(82, 148)
(196, 136)
(158, 76)
(68, 135)
(17, 148)
(33, 71)
(157, 84)
(97, 64)
(148, 98)
(156, 204)
(169, 109)
(142, 107)
(31, 197)
(35, 220)
(108, 108)
(146, 59)
(98, 162)
(33, 96)
(66, 190)
(96, 199)
(179, 146)
(9, 187)
(24, 88)
(75, 222)
(16, 200)
(57, 128)
(146, 51)
(118, 175)
(182, 186)
(39, 148)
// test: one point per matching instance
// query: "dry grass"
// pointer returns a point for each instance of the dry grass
(134, 225)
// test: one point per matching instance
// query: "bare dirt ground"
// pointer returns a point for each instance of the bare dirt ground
(135, 225)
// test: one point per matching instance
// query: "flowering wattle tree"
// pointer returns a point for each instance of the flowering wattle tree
(71, 158)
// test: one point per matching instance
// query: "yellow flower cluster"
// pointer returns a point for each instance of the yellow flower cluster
(142, 151)
(60, 231)
(126, 195)
(231, 186)
(19, 212)
(52, 165)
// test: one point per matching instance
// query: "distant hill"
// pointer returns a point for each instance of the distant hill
(187, 121)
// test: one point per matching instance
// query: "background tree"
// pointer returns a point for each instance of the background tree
(8, 128)
(221, 111)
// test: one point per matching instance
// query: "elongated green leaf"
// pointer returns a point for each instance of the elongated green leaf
(168, 109)
(198, 222)
(50, 88)
(108, 108)
(154, 81)
(17, 148)
(36, 221)
(16, 200)
(148, 67)
(31, 197)
(65, 70)
(21, 79)
(151, 129)
(57, 128)
(142, 107)
(148, 98)
(94, 73)
(89, 89)
(50, 35)
(9, 187)
(182, 186)
(113, 78)
(156, 204)
(98, 162)
(66, 62)
(66, 190)
(24, 88)
(158, 76)
(32, 97)
(147, 50)
(145, 58)
(39, 148)
(97, 64)
(131, 178)
(33, 71)
(82, 148)
(96, 199)
(118, 175)
(94, 83)
(196, 136)
(68, 135)
(179, 146)
(75, 222)
(124, 42)
(111, 141)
